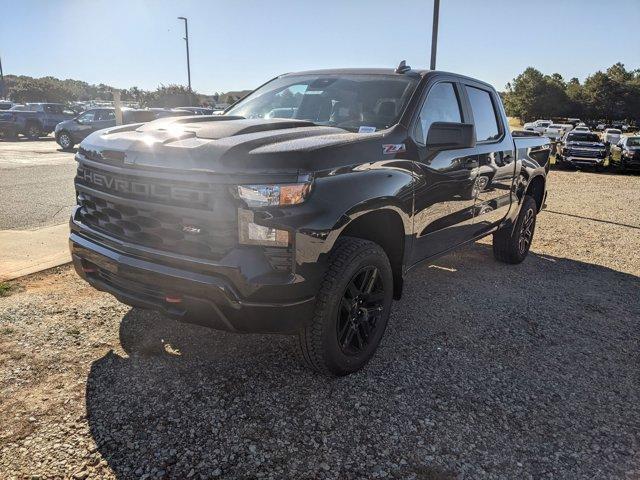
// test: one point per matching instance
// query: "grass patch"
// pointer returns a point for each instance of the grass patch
(5, 289)
(7, 330)
(514, 123)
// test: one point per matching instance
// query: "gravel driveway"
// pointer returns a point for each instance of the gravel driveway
(486, 371)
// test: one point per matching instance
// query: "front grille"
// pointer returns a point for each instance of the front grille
(203, 234)
(585, 153)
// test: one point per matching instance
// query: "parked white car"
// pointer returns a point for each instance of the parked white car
(538, 126)
(581, 128)
(555, 131)
(612, 136)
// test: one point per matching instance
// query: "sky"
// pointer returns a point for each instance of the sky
(240, 44)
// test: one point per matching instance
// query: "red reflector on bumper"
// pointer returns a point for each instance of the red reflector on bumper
(173, 299)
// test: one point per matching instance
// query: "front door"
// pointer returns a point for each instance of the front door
(444, 190)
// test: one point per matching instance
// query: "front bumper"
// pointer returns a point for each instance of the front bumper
(219, 296)
(582, 161)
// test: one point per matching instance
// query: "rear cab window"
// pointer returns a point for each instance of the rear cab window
(484, 115)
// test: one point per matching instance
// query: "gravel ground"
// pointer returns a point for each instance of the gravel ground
(486, 371)
(37, 184)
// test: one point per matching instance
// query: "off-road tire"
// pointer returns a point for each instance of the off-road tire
(506, 241)
(319, 347)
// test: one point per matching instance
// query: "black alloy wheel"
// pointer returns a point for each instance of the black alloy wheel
(526, 231)
(361, 307)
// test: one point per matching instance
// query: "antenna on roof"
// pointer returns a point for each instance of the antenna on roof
(403, 67)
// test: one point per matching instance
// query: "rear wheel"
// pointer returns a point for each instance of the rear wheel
(352, 309)
(512, 244)
(33, 131)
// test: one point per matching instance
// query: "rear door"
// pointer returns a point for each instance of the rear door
(52, 116)
(444, 196)
(496, 158)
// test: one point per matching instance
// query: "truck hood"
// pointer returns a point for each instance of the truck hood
(228, 144)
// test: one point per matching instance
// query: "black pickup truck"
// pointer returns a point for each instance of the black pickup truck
(305, 225)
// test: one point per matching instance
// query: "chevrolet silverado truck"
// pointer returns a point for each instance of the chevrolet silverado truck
(305, 225)
(582, 149)
(33, 120)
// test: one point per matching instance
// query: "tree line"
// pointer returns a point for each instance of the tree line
(24, 89)
(610, 95)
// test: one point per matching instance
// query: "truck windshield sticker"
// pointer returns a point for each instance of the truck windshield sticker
(366, 129)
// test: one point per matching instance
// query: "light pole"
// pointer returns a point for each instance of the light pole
(186, 39)
(1, 81)
(434, 33)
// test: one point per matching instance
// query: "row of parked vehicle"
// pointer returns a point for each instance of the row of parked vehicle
(579, 146)
(35, 120)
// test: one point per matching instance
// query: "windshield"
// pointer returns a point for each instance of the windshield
(633, 142)
(583, 137)
(615, 132)
(372, 102)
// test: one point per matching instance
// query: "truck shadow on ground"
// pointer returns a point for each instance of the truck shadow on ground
(485, 369)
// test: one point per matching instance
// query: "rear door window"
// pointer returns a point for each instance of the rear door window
(106, 115)
(484, 114)
(53, 109)
(441, 105)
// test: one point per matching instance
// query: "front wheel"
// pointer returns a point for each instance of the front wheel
(352, 309)
(65, 141)
(512, 244)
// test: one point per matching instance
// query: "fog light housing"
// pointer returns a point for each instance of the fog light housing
(250, 233)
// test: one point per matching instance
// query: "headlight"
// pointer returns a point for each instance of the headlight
(627, 153)
(274, 195)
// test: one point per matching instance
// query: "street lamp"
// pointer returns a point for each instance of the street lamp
(434, 33)
(186, 39)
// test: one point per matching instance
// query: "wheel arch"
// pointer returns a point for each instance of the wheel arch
(536, 189)
(385, 228)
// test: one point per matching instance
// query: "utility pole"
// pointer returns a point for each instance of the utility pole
(186, 39)
(1, 81)
(434, 33)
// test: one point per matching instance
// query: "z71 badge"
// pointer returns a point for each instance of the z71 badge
(392, 148)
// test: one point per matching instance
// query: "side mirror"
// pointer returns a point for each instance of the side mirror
(451, 136)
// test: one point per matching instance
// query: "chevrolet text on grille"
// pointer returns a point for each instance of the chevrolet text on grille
(145, 189)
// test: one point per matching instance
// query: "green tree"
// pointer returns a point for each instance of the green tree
(533, 95)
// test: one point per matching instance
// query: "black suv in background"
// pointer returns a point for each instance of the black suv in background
(582, 149)
(71, 132)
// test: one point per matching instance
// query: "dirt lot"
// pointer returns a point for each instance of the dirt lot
(486, 371)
